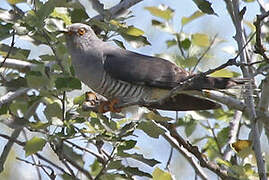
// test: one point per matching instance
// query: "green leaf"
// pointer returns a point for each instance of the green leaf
(223, 136)
(47, 8)
(34, 145)
(204, 6)
(17, 53)
(113, 176)
(135, 171)
(119, 43)
(79, 99)
(211, 149)
(66, 176)
(126, 145)
(78, 15)
(36, 79)
(115, 165)
(171, 43)
(139, 157)
(167, 27)
(157, 117)
(162, 11)
(223, 162)
(189, 129)
(159, 174)
(67, 83)
(186, 44)
(5, 30)
(133, 31)
(195, 15)
(151, 129)
(96, 167)
(135, 41)
(18, 105)
(62, 13)
(200, 39)
(38, 125)
(249, 1)
(53, 110)
(225, 73)
(69, 151)
(186, 63)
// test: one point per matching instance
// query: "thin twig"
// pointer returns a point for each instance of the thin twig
(10, 49)
(204, 53)
(63, 105)
(99, 157)
(180, 46)
(214, 136)
(51, 175)
(32, 157)
(77, 166)
(110, 157)
(169, 158)
(259, 49)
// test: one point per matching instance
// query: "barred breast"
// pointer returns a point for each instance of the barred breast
(110, 87)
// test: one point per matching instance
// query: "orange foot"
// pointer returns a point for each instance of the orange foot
(106, 106)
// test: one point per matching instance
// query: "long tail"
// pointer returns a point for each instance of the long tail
(216, 83)
(184, 102)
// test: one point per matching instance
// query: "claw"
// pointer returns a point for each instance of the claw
(91, 97)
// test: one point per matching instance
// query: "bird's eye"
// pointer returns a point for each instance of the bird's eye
(81, 31)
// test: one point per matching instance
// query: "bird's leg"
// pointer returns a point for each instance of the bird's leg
(106, 106)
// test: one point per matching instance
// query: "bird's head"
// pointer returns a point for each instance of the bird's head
(79, 36)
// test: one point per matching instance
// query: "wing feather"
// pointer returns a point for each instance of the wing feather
(141, 69)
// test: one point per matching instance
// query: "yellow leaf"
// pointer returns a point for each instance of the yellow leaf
(195, 15)
(225, 73)
(200, 39)
(159, 174)
(133, 31)
(162, 12)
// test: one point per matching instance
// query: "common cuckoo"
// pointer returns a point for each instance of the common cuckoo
(127, 76)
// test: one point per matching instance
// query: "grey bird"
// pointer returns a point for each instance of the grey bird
(127, 76)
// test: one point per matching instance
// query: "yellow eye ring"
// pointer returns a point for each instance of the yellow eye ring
(81, 31)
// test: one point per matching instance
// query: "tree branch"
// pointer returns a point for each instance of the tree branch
(17, 64)
(234, 129)
(10, 96)
(194, 151)
(188, 156)
(241, 41)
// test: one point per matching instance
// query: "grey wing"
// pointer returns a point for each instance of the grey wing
(141, 69)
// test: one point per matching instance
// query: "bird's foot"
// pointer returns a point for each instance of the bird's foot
(106, 106)
(91, 98)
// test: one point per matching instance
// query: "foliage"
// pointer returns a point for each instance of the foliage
(56, 122)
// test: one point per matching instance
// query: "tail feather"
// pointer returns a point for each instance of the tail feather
(184, 102)
(212, 83)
